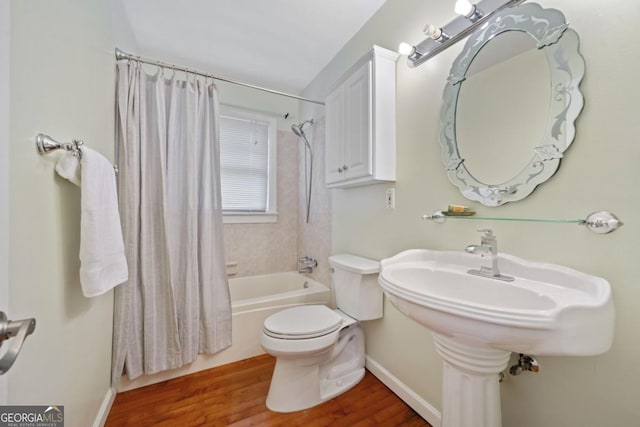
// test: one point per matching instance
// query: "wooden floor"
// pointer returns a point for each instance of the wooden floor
(235, 394)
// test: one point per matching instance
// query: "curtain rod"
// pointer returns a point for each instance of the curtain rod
(123, 55)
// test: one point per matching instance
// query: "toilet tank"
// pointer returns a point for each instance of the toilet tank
(355, 282)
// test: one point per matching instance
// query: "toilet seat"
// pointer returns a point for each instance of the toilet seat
(303, 322)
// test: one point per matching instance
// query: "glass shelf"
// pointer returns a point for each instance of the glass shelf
(599, 222)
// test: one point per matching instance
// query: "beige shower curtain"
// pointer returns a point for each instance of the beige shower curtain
(176, 302)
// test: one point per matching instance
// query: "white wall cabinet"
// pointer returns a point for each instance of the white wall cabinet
(361, 123)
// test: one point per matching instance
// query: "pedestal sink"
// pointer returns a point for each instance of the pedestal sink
(477, 322)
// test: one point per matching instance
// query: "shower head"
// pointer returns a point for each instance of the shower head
(297, 129)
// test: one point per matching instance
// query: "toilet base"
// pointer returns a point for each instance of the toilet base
(296, 386)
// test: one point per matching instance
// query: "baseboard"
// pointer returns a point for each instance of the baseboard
(103, 412)
(411, 398)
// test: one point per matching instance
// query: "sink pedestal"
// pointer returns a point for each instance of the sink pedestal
(470, 383)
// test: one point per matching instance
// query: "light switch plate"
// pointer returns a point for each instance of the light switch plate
(390, 198)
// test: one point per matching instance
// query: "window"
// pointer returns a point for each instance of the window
(247, 166)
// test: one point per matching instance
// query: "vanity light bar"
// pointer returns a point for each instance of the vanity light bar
(460, 27)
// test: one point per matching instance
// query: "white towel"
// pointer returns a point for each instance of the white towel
(102, 261)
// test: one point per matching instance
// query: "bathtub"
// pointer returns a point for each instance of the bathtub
(274, 292)
(253, 299)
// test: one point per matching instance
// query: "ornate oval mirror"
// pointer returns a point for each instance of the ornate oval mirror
(510, 104)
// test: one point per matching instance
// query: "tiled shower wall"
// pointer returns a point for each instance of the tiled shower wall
(270, 247)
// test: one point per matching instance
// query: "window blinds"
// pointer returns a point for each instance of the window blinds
(244, 165)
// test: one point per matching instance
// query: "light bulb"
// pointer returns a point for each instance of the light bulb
(432, 31)
(464, 8)
(406, 49)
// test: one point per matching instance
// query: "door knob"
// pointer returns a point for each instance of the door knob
(18, 330)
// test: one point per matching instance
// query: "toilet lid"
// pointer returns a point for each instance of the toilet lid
(305, 321)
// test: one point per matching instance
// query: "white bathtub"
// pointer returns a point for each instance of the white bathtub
(253, 299)
(274, 292)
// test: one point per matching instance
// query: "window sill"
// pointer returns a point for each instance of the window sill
(249, 218)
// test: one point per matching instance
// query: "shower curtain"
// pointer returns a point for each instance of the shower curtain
(176, 303)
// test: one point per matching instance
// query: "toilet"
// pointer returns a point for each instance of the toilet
(319, 351)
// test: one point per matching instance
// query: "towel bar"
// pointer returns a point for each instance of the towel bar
(45, 144)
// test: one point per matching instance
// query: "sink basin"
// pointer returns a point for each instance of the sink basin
(477, 322)
(546, 310)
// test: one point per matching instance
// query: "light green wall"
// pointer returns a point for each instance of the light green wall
(598, 172)
(4, 172)
(62, 83)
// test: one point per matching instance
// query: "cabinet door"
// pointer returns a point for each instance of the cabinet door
(358, 144)
(334, 152)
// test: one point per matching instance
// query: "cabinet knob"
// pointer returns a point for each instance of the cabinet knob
(345, 167)
(339, 170)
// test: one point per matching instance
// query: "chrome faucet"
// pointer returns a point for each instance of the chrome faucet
(488, 246)
(308, 263)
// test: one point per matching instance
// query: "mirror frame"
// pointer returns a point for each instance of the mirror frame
(560, 44)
